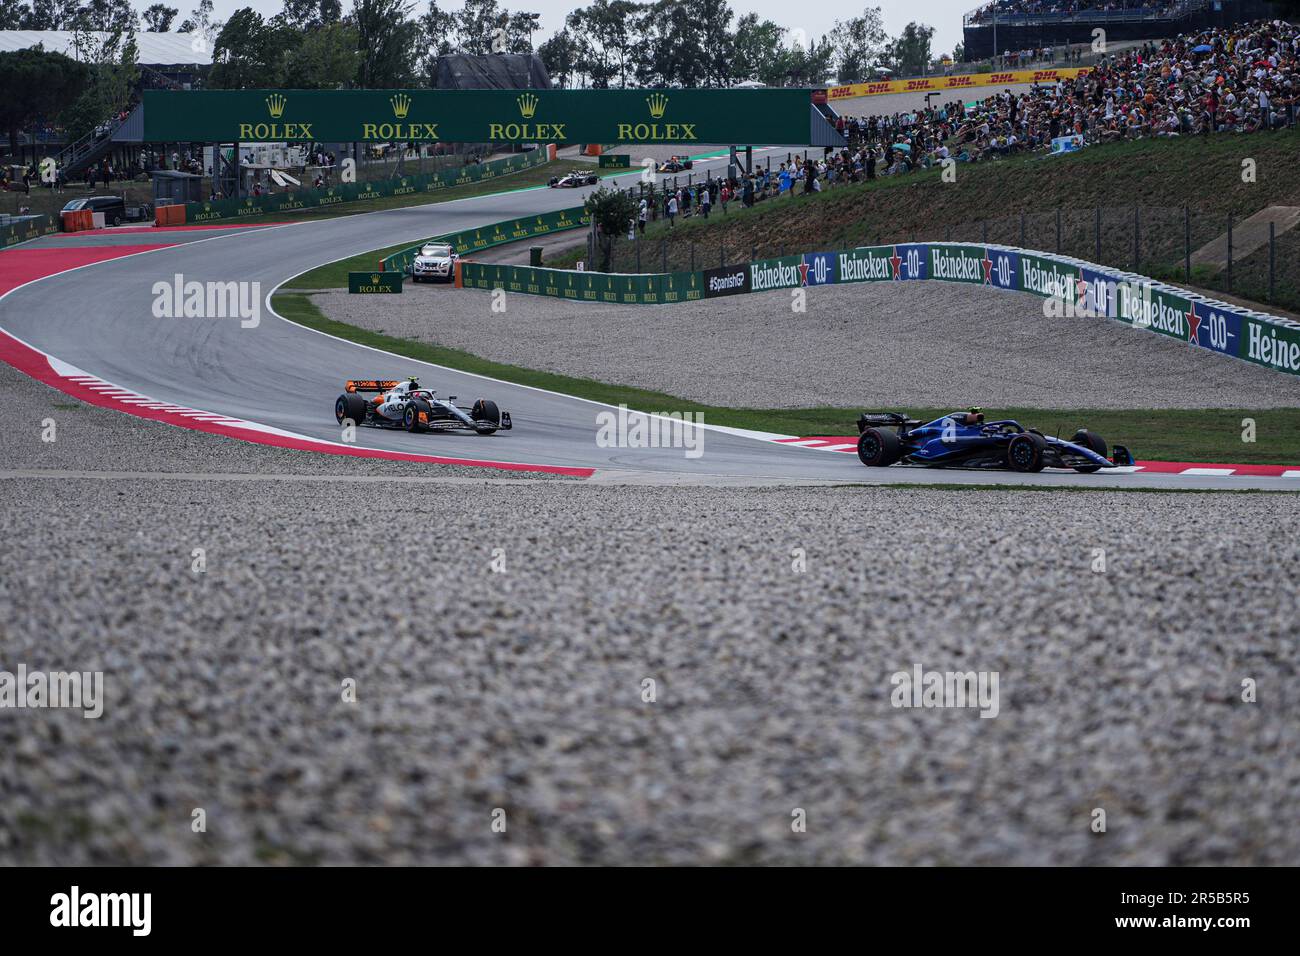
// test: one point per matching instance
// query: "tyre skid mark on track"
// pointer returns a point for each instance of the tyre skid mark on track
(848, 445)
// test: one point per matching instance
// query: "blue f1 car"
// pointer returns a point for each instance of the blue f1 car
(966, 440)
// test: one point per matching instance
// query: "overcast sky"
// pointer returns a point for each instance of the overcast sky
(944, 15)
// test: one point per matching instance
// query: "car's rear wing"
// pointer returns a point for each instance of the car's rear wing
(889, 419)
(370, 384)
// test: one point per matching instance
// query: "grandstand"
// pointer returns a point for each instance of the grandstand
(1033, 24)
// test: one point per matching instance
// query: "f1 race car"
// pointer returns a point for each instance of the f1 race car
(676, 164)
(574, 179)
(436, 261)
(407, 405)
(966, 440)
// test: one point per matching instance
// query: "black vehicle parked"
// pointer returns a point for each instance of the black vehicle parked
(113, 208)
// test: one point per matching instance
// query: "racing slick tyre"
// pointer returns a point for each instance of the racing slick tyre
(1093, 441)
(879, 448)
(1025, 453)
(486, 415)
(411, 420)
(350, 405)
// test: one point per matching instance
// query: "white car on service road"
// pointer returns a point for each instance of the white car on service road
(436, 262)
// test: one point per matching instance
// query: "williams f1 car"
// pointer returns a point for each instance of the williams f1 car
(407, 405)
(966, 440)
(573, 180)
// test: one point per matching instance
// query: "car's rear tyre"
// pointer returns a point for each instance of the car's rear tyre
(879, 448)
(1094, 442)
(411, 419)
(1025, 452)
(486, 415)
(350, 406)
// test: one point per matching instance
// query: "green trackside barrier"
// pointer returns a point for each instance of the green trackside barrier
(614, 161)
(371, 283)
(1081, 290)
(218, 209)
(27, 229)
(499, 233)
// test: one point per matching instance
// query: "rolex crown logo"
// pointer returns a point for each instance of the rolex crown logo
(657, 103)
(275, 105)
(401, 105)
(527, 105)
(374, 280)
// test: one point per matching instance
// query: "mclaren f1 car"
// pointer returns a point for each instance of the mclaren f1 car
(383, 403)
(966, 440)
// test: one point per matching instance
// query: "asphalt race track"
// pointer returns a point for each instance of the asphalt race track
(99, 319)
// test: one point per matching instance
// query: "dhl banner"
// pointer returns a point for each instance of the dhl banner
(940, 84)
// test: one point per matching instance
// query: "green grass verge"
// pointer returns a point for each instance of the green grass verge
(1208, 435)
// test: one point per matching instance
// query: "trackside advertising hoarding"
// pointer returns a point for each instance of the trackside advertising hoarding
(565, 117)
(308, 198)
(22, 230)
(1083, 290)
(499, 233)
(962, 81)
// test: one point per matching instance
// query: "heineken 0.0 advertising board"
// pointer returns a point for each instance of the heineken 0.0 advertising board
(611, 117)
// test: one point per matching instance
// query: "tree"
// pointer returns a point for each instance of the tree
(909, 55)
(612, 210)
(326, 59)
(477, 26)
(859, 42)
(200, 21)
(112, 74)
(757, 51)
(388, 42)
(308, 14)
(251, 52)
(158, 18)
(560, 56)
(39, 86)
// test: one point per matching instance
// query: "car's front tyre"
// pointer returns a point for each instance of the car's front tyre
(1025, 452)
(1093, 442)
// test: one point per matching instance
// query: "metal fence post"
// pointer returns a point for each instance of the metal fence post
(663, 248)
(1229, 252)
(1272, 257)
(638, 251)
(692, 255)
(1136, 240)
(984, 231)
(1022, 230)
(1058, 230)
(1097, 235)
(1187, 243)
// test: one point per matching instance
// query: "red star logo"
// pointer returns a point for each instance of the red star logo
(988, 270)
(1080, 289)
(896, 261)
(803, 273)
(1193, 326)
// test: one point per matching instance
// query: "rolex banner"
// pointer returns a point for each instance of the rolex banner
(308, 198)
(21, 230)
(372, 283)
(679, 117)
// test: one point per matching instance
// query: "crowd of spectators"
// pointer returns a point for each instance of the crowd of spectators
(1239, 79)
(1008, 10)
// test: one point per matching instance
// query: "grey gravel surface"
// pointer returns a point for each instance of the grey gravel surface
(100, 439)
(870, 345)
(522, 690)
